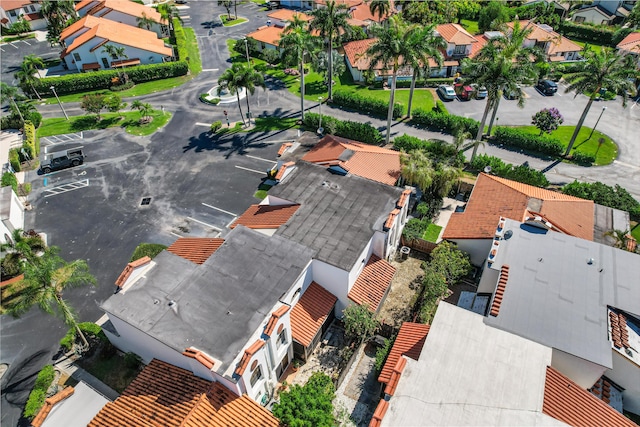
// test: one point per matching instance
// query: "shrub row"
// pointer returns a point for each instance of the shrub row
(420, 83)
(362, 132)
(180, 40)
(514, 137)
(444, 122)
(614, 197)
(89, 329)
(39, 392)
(600, 34)
(362, 103)
(521, 173)
(84, 82)
(14, 159)
(584, 159)
(439, 150)
(30, 141)
(9, 180)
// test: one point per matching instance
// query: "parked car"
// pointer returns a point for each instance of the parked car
(480, 92)
(464, 92)
(62, 160)
(547, 87)
(446, 92)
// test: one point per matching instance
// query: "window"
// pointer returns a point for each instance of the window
(460, 49)
(282, 338)
(76, 56)
(33, 8)
(256, 375)
(13, 13)
(105, 63)
(579, 19)
(264, 46)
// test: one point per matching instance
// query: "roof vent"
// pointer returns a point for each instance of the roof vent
(590, 261)
(508, 234)
(172, 303)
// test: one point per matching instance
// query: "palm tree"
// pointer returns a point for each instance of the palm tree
(329, 21)
(45, 280)
(145, 22)
(21, 248)
(417, 168)
(230, 80)
(501, 65)
(296, 42)
(251, 79)
(604, 69)
(57, 13)
(144, 108)
(379, 7)
(26, 76)
(424, 44)
(168, 12)
(117, 52)
(392, 44)
(9, 94)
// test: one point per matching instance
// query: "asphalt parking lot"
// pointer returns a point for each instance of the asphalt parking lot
(13, 53)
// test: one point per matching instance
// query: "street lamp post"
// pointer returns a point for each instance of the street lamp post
(597, 121)
(246, 46)
(320, 130)
(59, 103)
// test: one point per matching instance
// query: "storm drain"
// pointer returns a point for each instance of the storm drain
(145, 201)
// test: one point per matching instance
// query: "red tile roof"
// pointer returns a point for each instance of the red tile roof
(288, 15)
(372, 283)
(493, 197)
(283, 169)
(619, 332)
(569, 403)
(310, 312)
(248, 354)
(456, 34)
(275, 316)
(356, 53)
(205, 359)
(265, 216)
(284, 147)
(404, 198)
(195, 249)
(409, 342)
(392, 216)
(364, 160)
(502, 284)
(390, 389)
(269, 35)
(125, 7)
(126, 273)
(49, 403)
(163, 395)
(631, 43)
(8, 5)
(602, 389)
(378, 415)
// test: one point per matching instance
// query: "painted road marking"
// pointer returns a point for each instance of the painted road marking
(203, 124)
(204, 223)
(66, 187)
(218, 209)
(24, 41)
(11, 44)
(618, 162)
(251, 170)
(211, 69)
(60, 139)
(260, 158)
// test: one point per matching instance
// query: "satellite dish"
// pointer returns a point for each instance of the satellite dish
(487, 169)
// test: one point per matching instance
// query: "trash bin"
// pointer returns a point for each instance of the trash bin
(404, 252)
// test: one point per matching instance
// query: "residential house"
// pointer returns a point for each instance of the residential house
(166, 395)
(493, 197)
(359, 64)
(85, 40)
(604, 12)
(578, 297)
(342, 156)
(561, 7)
(469, 373)
(556, 47)
(11, 213)
(125, 12)
(218, 308)
(11, 11)
(630, 45)
(268, 36)
(71, 407)
(408, 343)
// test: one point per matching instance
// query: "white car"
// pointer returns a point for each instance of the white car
(446, 92)
(481, 92)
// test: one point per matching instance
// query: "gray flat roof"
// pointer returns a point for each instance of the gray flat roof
(559, 288)
(338, 214)
(76, 410)
(219, 304)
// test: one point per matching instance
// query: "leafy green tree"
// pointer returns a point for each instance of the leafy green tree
(309, 405)
(450, 262)
(10, 94)
(466, 9)
(20, 249)
(614, 197)
(360, 323)
(114, 104)
(145, 21)
(634, 17)
(45, 280)
(320, 63)
(58, 13)
(93, 103)
(27, 78)
(116, 53)
(428, 12)
(380, 8)
(231, 80)
(296, 42)
(604, 69)
(20, 27)
(547, 120)
(492, 16)
(423, 45)
(329, 21)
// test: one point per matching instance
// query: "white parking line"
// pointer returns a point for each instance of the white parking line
(203, 124)
(260, 158)
(210, 69)
(230, 222)
(66, 187)
(11, 44)
(204, 223)
(251, 170)
(218, 209)
(24, 41)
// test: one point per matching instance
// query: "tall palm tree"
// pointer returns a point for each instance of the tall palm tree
(379, 7)
(295, 43)
(168, 12)
(392, 44)
(329, 21)
(604, 69)
(251, 79)
(145, 21)
(416, 168)
(424, 44)
(144, 108)
(45, 280)
(26, 76)
(501, 65)
(21, 248)
(231, 80)
(9, 94)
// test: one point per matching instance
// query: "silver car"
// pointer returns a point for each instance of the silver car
(446, 92)
(480, 92)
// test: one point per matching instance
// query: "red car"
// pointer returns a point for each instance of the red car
(464, 92)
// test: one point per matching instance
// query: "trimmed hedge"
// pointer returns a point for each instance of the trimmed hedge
(365, 104)
(30, 144)
(14, 159)
(9, 180)
(83, 82)
(89, 329)
(438, 150)
(613, 197)
(584, 159)
(39, 392)
(598, 34)
(521, 173)
(362, 132)
(147, 249)
(513, 137)
(444, 122)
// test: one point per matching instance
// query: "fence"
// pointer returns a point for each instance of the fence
(420, 245)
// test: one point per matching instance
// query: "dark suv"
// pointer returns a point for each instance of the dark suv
(547, 87)
(61, 160)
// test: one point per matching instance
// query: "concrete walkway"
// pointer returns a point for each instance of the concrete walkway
(67, 366)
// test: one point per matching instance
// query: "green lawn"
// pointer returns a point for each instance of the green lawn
(635, 231)
(268, 124)
(58, 126)
(231, 22)
(431, 233)
(605, 153)
(195, 63)
(593, 46)
(9, 39)
(470, 26)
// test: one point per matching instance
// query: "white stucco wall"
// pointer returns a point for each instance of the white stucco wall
(355, 73)
(451, 50)
(124, 18)
(86, 56)
(357, 268)
(488, 281)
(36, 24)
(581, 371)
(334, 280)
(626, 374)
(15, 218)
(478, 249)
(590, 16)
(264, 384)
